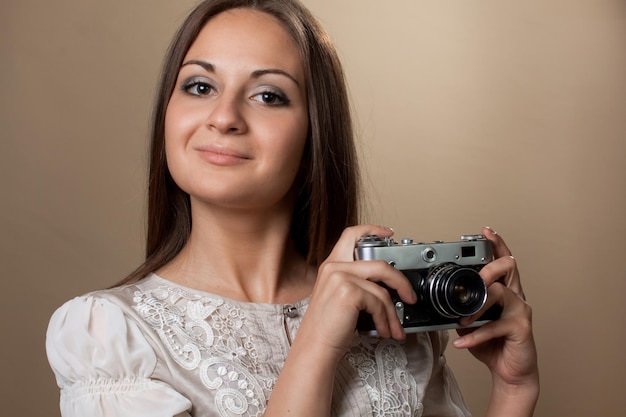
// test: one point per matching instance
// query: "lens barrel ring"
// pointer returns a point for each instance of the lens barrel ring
(456, 291)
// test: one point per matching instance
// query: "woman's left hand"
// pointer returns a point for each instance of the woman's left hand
(505, 345)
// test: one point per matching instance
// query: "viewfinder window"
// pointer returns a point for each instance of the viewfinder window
(468, 251)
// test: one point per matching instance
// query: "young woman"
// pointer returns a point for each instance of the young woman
(248, 299)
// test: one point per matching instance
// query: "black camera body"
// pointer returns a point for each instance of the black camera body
(445, 276)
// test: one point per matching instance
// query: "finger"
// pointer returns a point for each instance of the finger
(369, 297)
(343, 251)
(379, 272)
(515, 323)
(505, 271)
(502, 254)
(496, 294)
(377, 302)
(500, 248)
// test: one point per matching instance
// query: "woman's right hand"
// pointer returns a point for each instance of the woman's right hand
(345, 287)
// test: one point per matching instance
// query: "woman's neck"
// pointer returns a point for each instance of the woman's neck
(248, 256)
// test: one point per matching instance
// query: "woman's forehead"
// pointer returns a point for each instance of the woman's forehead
(249, 37)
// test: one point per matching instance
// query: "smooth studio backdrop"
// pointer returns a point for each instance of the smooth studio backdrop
(469, 113)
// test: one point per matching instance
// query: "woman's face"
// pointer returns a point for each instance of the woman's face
(237, 121)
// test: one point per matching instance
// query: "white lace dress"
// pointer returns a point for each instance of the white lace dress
(155, 349)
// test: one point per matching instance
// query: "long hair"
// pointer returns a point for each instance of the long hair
(328, 185)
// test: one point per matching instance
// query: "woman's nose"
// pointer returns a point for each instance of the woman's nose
(226, 115)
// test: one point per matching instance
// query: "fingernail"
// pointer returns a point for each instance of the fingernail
(493, 232)
(458, 342)
(386, 228)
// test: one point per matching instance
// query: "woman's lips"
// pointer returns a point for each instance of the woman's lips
(222, 156)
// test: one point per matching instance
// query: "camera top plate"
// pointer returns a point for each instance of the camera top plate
(406, 254)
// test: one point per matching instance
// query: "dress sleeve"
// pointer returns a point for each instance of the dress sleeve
(103, 363)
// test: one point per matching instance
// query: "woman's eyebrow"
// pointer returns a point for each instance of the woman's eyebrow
(206, 65)
(255, 74)
(261, 72)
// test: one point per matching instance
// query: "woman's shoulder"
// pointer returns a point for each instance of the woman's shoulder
(96, 335)
(112, 301)
(117, 325)
(103, 361)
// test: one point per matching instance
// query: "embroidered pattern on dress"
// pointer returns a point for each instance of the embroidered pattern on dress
(209, 335)
(381, 364)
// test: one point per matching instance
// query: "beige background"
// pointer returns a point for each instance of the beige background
(511, 114)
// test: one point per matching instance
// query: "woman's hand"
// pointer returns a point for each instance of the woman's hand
(345, 287)
(505, 345)
(342, 290)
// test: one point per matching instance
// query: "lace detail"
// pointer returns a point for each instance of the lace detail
(381, 364)
(209, 335)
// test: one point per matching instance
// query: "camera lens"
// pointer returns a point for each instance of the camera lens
(461, 293)
(456, 291)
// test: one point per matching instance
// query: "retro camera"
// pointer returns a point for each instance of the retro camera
(443, 274)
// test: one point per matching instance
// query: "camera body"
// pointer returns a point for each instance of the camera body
(445, 276)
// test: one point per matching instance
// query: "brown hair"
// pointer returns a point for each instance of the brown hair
(327, 189)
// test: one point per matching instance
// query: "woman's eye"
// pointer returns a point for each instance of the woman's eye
(198, 88)
(271, 98)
